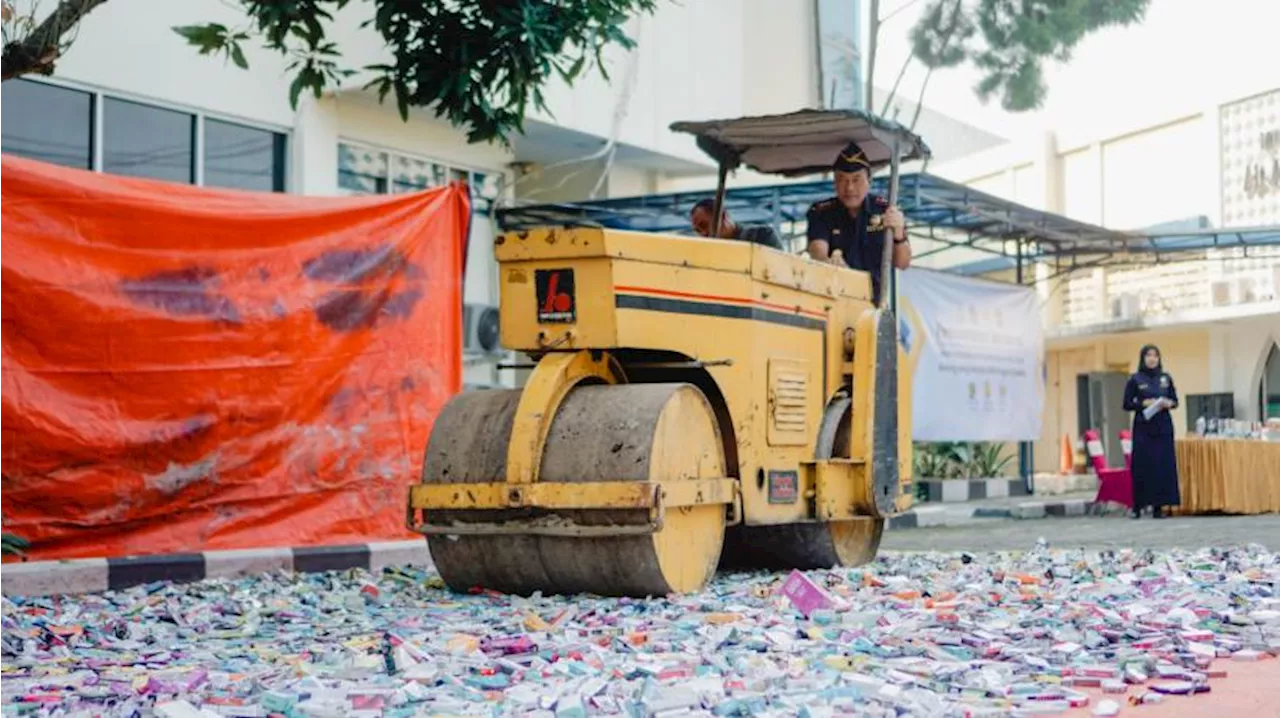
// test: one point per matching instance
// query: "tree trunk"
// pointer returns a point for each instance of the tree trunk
(37, 52)
(874, 14)
(955, 22)
(920, 99)
(884, 110)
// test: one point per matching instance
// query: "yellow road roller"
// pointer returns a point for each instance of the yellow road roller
(693, 402)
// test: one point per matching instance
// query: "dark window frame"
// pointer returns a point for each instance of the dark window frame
(282, 137)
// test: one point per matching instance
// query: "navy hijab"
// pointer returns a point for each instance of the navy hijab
(1142, 361)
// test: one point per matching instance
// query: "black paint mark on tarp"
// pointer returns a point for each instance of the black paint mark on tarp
(355, 265)
(347, 311)
(400, 305)
(188, 292)
(363, 307)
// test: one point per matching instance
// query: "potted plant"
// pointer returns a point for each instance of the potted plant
(961, 471)
(986, 460)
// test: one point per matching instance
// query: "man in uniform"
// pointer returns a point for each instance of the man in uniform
(704, 210)
(847, 229)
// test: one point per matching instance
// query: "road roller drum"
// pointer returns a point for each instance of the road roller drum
(659, 433)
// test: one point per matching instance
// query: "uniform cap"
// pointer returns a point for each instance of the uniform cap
(851, 159)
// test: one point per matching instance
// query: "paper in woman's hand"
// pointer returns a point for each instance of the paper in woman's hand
(1154, 408)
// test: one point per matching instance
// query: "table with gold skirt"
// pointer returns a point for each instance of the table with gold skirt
(1228, 476)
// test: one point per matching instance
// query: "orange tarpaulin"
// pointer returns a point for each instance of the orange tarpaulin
(189, 369)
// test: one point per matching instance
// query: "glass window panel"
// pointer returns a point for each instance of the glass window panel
(361, 170)
(488, 186)
(47, 123)
(839, 53)
(412, 174)
(143, 141)
(457, 175)
(484, 190)
(243, 157)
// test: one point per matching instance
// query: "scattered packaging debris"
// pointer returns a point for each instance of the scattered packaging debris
(922, 634)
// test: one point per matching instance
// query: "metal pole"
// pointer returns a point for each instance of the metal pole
(887, 278)
(776, 217)
(1026, 449)
(719, 208)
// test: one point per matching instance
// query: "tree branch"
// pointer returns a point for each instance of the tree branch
(884, 110)
(39, 50)
(942, 49)
(904, 6)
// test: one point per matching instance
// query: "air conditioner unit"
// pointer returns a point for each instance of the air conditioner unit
(480, 329)
(1125, 306)
(1246, 290)
(1221, 293)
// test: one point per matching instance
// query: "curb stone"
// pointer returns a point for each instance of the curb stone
(43, 578)
(91, 575)
(924, 516)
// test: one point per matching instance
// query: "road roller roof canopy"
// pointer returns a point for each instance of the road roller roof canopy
(803, 142)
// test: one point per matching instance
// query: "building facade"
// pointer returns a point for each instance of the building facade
(1215, 316)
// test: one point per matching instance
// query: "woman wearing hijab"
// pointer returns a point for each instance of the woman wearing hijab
(1155, 469)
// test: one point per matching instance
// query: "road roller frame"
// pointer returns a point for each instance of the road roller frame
(784, 364)
(652, 497)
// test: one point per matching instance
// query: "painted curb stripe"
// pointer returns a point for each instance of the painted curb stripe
(43, 578)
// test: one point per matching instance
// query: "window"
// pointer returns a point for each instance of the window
(243, 157)
(48, 123)
(413, 175)
(1269, 387)
(364, 170)
(839, 54)
(144, 141)
(57, 124)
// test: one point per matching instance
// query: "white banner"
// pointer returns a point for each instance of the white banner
(977, 355)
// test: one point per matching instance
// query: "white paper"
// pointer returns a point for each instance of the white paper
(1151, 411)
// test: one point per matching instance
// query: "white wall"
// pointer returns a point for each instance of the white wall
(1159, 175)
(696, 59)
(1237, 352)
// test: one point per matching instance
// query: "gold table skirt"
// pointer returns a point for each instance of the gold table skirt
(1228, 476)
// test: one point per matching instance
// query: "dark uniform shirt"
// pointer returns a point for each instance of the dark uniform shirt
(861, 244)
(760, 234)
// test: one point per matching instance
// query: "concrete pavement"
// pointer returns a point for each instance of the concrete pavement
(1092, 532)
(924, 515)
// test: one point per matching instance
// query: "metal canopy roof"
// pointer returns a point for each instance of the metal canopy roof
(946, 212)
(803, 142)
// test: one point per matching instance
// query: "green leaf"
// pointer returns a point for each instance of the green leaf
(573, 71)
(237, 56)
(193, 33)
(296, 87)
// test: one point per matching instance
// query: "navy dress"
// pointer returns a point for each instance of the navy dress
(1155, 468)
